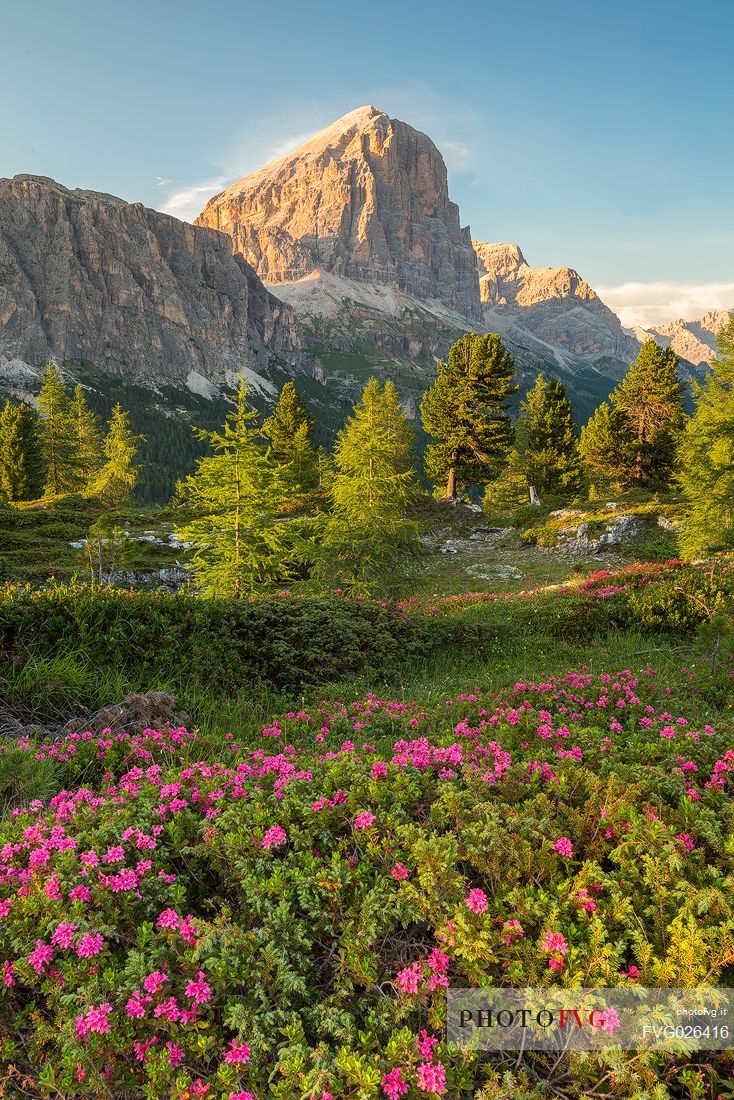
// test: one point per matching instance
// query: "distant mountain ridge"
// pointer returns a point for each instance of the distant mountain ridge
(553, 305)
(693, 340)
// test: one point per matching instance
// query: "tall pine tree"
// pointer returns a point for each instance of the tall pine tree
(116, 479)
(466, 413)
(367, 543)
(240, 546)
(545, 440)
(650, 400)
(21, 461)
(58, 434)
(604, 447)
(706, 453)
(289, 430)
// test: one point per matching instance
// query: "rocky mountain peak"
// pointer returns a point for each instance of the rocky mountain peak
(365, 199)
(554, 305)
(498, 260)
(694, 341)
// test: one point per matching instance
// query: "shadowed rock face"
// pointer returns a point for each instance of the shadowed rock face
(366, 199)
(88, 276)
(554, 304)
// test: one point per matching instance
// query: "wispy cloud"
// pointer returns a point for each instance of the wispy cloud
(161, 182)
(189, 201)
(649, 304)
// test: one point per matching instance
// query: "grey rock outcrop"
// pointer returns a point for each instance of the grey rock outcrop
(87, 276)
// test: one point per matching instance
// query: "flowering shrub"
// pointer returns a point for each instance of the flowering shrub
(283, 920)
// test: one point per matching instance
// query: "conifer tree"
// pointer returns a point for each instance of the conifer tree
(116, 479)
(240, 547)
(289, 430)
(367, 542)
(604, 445)
(545, 440)
(465, 411)
(21, 462)
(57, 434)
(88, 451)
(706, 454)
(650, 399)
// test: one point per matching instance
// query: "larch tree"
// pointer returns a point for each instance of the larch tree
(116, 479)
(466, 413)
(240, 545)
(57, 434)
(21, 460)
(367, 543)
(706, 457)
(88, 450)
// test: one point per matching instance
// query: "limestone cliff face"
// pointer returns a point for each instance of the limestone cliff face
(365, 199)
(693, 340)
(553, 304)
(88, 276)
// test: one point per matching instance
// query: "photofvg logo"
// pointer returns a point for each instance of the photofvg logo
(633, 1018)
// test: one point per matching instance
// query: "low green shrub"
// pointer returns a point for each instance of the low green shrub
(150, 639)
(682, 603)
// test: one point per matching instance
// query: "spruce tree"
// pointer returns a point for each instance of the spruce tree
(88, 438)
(545, 440)
(465, 411)
(367, 543)
(21, 461)
(57, 434)
(706, 457)
(240, 546)
(115, 481)
(650, 399)
(289, 430)
(604, 447)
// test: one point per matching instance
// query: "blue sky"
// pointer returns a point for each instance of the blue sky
(594, 134)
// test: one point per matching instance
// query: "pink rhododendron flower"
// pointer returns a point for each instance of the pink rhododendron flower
(410, 978)
(425, 1044)
(432, 1077)
(274, 837)
(168, 919)
(364, 820)
(512, 930)
(154, 982)
(476, 900)
(97, 1019)
(563, 846)
(41, 957)
(199, 991)
(399, 871)
(237, 1052)
(63, 934)
(89, 945)
(175, 1054)
(394, 1085)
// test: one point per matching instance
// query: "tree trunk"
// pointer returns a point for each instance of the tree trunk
(534, 498)
(451, 485)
